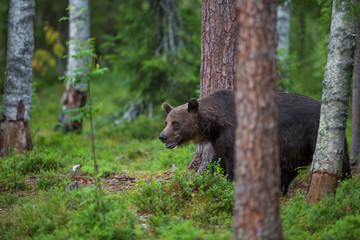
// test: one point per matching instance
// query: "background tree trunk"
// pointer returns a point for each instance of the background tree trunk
(15, 117)
(355, 132)
(75, 93)
(217, 70)
(283, 29)
(283, 44)
(170, 30)
(257, 172)
(329, 152)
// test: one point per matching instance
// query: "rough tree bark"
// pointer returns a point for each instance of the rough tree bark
(257, 172)
(217, 70)
(327, 164)
(75, 93)
(15, 117)
(355, 131)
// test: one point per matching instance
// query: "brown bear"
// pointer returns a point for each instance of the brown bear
(212, 119)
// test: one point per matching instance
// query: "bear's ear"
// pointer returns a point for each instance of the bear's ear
(193, 105)
(167, 107)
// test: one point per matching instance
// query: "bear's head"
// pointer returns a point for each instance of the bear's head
(181, 124)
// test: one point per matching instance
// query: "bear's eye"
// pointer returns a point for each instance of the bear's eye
(175, 125)
(165, 124)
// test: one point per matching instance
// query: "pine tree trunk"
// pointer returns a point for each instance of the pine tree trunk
(75, 92)
(355, 131)
(257, 172)
(15, 117)
(217, 70)
(329, 153)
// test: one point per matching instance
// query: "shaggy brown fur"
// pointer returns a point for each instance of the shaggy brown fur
(212, 119)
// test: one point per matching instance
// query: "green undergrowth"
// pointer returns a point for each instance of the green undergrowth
(204, 198)
(185, 207)
(75, 215)
(51, 161)
(335, 217)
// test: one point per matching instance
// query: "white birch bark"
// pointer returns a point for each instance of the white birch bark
(329, 152)
(15, 117)
(74, 96)
(20, 49)
(283, 29)
(79, 32)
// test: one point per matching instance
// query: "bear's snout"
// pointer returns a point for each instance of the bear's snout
(162, 138)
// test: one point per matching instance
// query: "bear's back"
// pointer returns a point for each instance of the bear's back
(219, 107)
(299, 118)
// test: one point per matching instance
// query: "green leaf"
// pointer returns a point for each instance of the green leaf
(99, 71)
(80, 12)
(72, 42)
(63, 19)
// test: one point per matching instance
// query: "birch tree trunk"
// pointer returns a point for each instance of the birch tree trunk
(283, 29)
(283, 42)
(329, 152)
(257, 172)
(217, 70)
(15, 117)
(75, 93)
(355, 131)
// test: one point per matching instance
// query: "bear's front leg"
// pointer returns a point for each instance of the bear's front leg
(225, 144)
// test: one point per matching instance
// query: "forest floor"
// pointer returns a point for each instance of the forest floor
(120, 182)
(139, 177)
(114, 184)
